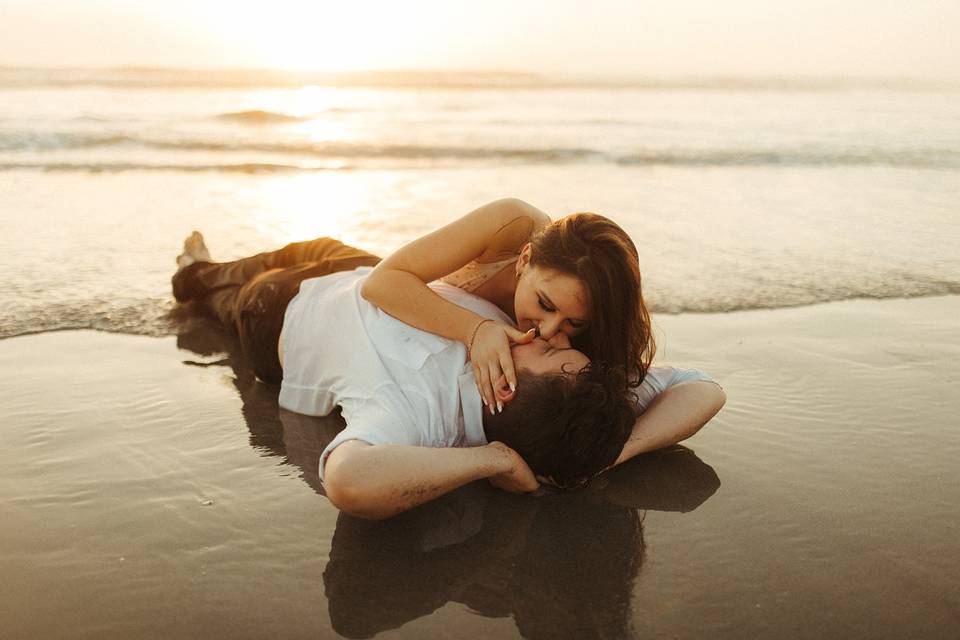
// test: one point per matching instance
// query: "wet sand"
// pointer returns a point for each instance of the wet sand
(149, 487)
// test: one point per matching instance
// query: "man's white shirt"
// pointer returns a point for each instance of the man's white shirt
(395, 384)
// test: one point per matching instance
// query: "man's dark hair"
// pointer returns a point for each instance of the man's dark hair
(568, 427)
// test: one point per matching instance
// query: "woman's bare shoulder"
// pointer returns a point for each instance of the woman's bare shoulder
(518, 221)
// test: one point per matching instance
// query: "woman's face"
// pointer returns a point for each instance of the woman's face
(548, 300)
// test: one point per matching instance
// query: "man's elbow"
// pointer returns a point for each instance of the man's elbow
(340, 493)
(711, 398)
(351, 495)
(716, 398)
(351, 499)
(720, 399)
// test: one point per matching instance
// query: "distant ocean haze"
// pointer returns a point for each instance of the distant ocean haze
(739, 194)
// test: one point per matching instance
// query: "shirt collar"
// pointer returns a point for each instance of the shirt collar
(472, 409)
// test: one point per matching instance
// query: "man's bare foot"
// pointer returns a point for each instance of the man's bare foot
(194, 250)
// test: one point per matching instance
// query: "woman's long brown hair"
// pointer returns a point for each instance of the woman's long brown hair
(596, 250)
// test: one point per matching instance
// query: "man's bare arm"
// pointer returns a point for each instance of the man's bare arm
(380, 481)
(674, 415)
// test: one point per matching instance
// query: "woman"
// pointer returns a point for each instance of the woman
(579, 275)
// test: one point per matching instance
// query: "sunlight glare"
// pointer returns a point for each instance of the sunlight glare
(311, 34)
(302, 207)
(310, 100)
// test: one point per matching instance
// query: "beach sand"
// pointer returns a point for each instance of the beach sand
(149, 487)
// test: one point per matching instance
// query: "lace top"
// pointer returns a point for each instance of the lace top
(472, 275)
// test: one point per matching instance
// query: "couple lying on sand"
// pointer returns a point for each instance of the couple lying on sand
(501, 346)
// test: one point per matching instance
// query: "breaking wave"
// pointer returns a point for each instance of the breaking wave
(304, 154)
(161, 316)
(258, 116)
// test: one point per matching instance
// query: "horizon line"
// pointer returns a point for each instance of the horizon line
(531, 73)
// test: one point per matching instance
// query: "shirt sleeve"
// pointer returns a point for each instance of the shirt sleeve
(375, 424)
(659, 379)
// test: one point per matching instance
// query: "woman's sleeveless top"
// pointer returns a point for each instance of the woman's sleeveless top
(472, 275)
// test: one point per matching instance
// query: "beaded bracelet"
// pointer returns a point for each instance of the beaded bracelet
(474, 336)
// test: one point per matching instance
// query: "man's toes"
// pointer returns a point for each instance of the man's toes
(197, 247)
(184, 260)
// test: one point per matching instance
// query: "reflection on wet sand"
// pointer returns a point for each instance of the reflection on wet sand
(295, 438)
(562, 564)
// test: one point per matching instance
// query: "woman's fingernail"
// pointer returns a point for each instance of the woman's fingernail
(499, 407)
(491, 409)
(513, 387)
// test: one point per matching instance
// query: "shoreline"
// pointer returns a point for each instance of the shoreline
(177, 316)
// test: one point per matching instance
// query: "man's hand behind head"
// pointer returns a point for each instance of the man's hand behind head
(518, 478)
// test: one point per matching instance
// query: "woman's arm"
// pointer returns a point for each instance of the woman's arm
(380, 481)
(673, 415)
(398, 285)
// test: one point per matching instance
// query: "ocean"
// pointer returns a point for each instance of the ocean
(740, 194)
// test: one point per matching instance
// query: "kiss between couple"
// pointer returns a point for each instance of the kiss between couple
(501, 346)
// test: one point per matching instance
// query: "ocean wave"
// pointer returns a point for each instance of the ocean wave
(905, 158)
(258, 116)
(149, 317)
(325, 151)
(385, 151)
(397, 161)
(51, 141)
(60, 140)
(161, 316)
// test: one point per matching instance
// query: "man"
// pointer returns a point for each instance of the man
(415, 427)
(415, 424)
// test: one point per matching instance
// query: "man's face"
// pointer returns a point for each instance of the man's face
(549, 356)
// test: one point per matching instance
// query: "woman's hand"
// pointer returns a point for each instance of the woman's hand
(517, 476)
(489, 351)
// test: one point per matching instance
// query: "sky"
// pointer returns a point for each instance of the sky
(875, 38)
